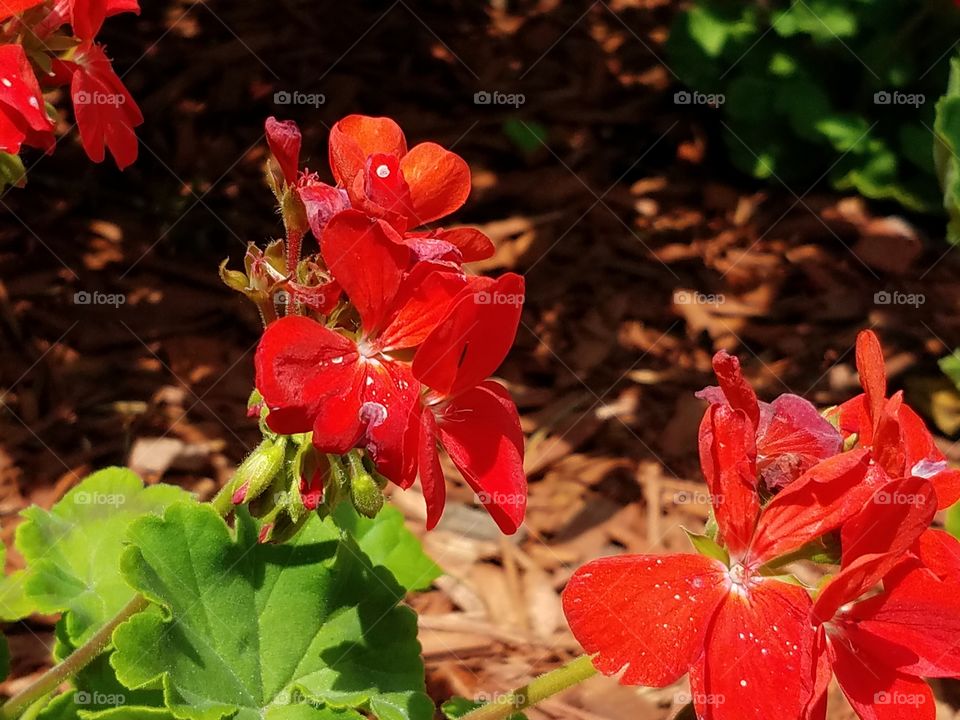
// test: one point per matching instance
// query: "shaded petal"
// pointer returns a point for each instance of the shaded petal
(390, 411)
(283, 137)
(424, 301)
(432, 481)
(366, 262)
(439, 182)
(791, 439)
(480, 430)
(322, 202)
(474, 338)
(758, 656)
(816, 503)
(645, 614)
(873, 373)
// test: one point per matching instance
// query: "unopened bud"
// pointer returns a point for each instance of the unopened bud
(365, 493)
(258, 470)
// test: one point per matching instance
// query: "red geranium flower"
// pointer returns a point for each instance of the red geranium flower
(474, 419)
(106, 112)
(22, 115)
(879, 647)
(743, 636)
(897, 437)
(791, 436)
(348, 388)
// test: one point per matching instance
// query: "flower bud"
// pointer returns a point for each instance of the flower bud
(258, 470)
(365, 492)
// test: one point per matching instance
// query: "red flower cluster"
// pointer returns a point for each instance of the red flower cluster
(785, 485)
(105, 112)
(404, 366)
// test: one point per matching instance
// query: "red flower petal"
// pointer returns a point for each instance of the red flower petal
(480, 430)
(924, 458)
(283, 137)
(472, 244)
(15, 7)
(472, 341)
(913, 626)
(366, 262)
(431, 475)
(647, 615)
(439, 182)
(423, 300)
(877, 692)
(816, 503)
(873, 373)
(391, 398)
(322, 202)
(727, 455)
(792, 438)
(876, 539)
(758, 658)
(735, 387)
(354, 138)
(106, 113)
(22, 111)
(294, 355)
(86, 17)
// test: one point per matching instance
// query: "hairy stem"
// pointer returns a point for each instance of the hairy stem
(19, 704)
(545, 686)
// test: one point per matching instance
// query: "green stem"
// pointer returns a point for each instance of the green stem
(72, 664)
(545, 686)
(17, 705)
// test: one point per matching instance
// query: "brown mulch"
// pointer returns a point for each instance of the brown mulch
(643, 252)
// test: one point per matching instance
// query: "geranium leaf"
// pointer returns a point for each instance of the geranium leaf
(388, 543)
(256, 630)
(73, 551)
(14, 603)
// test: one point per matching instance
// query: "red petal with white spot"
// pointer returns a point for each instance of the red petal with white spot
(758, 658)
(22, 113)
(647, 615)
(391, 398)
(354, 138)
(480, 430)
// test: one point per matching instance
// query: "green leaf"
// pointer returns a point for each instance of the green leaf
(14, 603)
(12, 171)
(952, 521)
(706, 545)
(250, 628)
(73, 551)
(457, 707)
(946, 152)
(950, 366)
(387, 542)
(823, 20)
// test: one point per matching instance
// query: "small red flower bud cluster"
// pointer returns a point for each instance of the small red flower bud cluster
(50, 43)
(401, 366)
(857, 491)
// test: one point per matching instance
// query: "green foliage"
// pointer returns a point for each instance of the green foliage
(947, 159)
(73, 551)
(457, 707)
(14, 603)
(824, 89)
(309, 629)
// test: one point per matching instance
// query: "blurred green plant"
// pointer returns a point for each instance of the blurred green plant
(947, 127)
(809, 90)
